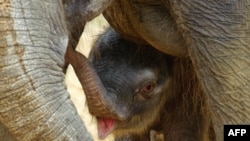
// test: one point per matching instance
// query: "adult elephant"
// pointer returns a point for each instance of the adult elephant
(34, 103)
(214, 34)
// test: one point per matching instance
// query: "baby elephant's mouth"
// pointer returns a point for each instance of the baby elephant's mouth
(105, 126)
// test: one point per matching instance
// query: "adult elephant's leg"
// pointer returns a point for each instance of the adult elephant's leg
(219, 45)
(5, 135)
(34, 103)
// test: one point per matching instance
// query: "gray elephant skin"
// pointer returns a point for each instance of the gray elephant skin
(34, 35)
(34, 102)
(213, 34)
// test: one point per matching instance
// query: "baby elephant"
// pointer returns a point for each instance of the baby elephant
(147, 91)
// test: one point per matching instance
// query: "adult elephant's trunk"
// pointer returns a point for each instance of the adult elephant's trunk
(218, 33)
(94, 90)
(34, 103)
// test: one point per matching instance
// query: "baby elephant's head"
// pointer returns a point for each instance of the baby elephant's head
(137, 83)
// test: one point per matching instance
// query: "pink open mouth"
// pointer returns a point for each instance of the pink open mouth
(105, 126)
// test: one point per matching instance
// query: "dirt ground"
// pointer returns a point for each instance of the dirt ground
(92, 30)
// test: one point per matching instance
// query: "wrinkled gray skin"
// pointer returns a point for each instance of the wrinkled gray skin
(126, 69)
(34, 103)
(213, 34)
(33, 36)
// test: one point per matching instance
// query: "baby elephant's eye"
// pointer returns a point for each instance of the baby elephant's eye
(146, 90)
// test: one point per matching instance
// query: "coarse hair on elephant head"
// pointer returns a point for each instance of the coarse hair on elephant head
(147, 90)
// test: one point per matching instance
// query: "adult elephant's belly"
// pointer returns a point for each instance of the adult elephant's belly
(146, 22)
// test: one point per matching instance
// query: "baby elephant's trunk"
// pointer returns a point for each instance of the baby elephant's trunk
(91, 84)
